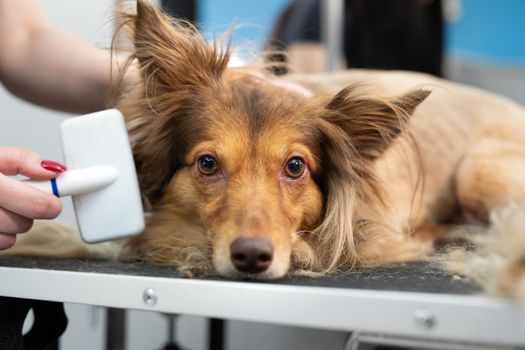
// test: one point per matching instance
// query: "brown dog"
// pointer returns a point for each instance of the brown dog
(246, 178)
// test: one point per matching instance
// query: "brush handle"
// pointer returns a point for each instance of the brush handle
(73, 182)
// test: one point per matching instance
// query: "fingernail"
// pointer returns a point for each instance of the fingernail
(53, 166)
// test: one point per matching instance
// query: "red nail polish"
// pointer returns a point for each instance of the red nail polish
(53, 166)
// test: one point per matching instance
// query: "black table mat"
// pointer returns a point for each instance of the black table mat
(422, 277)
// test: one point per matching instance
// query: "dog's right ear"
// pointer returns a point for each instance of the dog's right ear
(174, 61)
(172, 54)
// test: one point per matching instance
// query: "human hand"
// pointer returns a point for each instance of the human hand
(20, 203)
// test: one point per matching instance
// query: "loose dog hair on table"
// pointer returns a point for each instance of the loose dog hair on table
(246, 178)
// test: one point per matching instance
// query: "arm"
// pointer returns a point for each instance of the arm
(49, 66)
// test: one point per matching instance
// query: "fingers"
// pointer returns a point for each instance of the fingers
(7, 241)
(27, 201)
(22, 160)
(19, 202)
(13, 223)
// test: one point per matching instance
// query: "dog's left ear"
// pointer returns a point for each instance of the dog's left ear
(356, 129)
(372, 124)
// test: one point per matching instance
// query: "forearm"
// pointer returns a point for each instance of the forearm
(55, 69)
(51, 67)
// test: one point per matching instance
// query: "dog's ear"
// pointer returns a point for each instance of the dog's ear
(172, 54)
(355, 130)
(372, 123)
(175, 63)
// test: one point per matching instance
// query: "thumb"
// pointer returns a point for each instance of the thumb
(24, 161)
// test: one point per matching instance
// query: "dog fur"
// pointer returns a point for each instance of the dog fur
(392, 159)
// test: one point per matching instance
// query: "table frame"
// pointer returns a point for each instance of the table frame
(466, 318)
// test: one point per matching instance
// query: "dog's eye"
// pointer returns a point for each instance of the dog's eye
(207, 165)
(295, 167)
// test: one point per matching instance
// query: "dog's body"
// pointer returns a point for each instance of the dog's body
(470, 144)
(449, 168)
(247, 178)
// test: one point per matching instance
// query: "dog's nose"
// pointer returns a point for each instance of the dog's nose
(251, 255)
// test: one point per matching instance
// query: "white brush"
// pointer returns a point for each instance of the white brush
(101, 177)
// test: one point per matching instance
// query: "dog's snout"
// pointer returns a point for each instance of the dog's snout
(251, 255)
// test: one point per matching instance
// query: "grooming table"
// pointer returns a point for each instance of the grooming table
(408, 301)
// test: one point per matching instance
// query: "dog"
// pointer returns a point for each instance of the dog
(249, 179)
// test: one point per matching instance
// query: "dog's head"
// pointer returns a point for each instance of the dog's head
(247, 175)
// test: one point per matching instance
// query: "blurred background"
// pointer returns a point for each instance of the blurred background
(479, 42)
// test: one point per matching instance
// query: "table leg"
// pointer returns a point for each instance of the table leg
(216, 338)
(116, 329)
